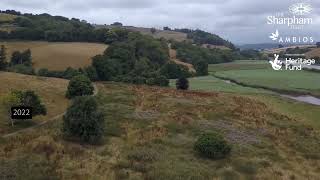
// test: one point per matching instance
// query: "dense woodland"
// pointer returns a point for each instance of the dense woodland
(51, 28)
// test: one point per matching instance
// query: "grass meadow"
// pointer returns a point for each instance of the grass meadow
(150, 133)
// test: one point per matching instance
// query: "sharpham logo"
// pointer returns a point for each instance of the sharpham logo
(295, 17)
(300, 9)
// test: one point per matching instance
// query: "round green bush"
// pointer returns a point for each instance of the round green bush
(212, 145)
(84, 120)
(182, 84)
(79, 86)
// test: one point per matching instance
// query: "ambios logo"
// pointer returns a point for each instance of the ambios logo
(294, 17)
(290, 64)
(290, 39)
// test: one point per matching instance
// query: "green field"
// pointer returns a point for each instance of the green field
(300, 82)
(211, 83)
(238, 65)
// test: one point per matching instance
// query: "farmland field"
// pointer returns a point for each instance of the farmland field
(302, 82)
(211, 83)
(51, 90)
(150, 134)
(57, 56)
(239, 65)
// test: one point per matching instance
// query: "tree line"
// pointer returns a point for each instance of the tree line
(52, 28)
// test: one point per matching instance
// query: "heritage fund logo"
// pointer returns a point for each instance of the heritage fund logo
(290, 39)
(290, 64)
(295, 17)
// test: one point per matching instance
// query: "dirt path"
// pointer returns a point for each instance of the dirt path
(173, 57)
(95, 92)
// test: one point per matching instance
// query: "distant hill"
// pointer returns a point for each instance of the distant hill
(199, 37)
(16, 25)
(177, 36)
(258, 46)
(313, 53)
(279, 50)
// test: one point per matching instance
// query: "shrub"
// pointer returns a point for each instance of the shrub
(83, 120)
(22, 69)
(31, 99)
(158, 81)
(182, 84)
(212, 146)
(79, 86)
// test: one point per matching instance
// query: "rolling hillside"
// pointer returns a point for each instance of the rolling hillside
(313, 53)
(51, 90)
(150, 133)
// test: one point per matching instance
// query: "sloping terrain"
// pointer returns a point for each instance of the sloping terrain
(57, 56)
(150, 133)
(313, 53)
(173, 57)
(278, 50)
(177, 36)
(51, 90)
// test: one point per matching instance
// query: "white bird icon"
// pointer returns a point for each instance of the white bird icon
(274, 36)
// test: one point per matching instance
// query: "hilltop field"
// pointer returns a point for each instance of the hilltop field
(57, 55)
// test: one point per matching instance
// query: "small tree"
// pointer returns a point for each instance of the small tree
(21, 58)
(15, 58)
(24, 98)
(201, 68)
(212, 146)
(31, 99)
(182, 84)
(3, 59)
(153, 30)
(83, 120)
(79, 86)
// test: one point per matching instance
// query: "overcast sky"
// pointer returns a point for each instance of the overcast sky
(241, 21)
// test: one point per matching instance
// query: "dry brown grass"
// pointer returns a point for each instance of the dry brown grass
(265, 143)
(51, 90)
(177, 36)
(313, 53)
(6, 17)
(57, 56)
